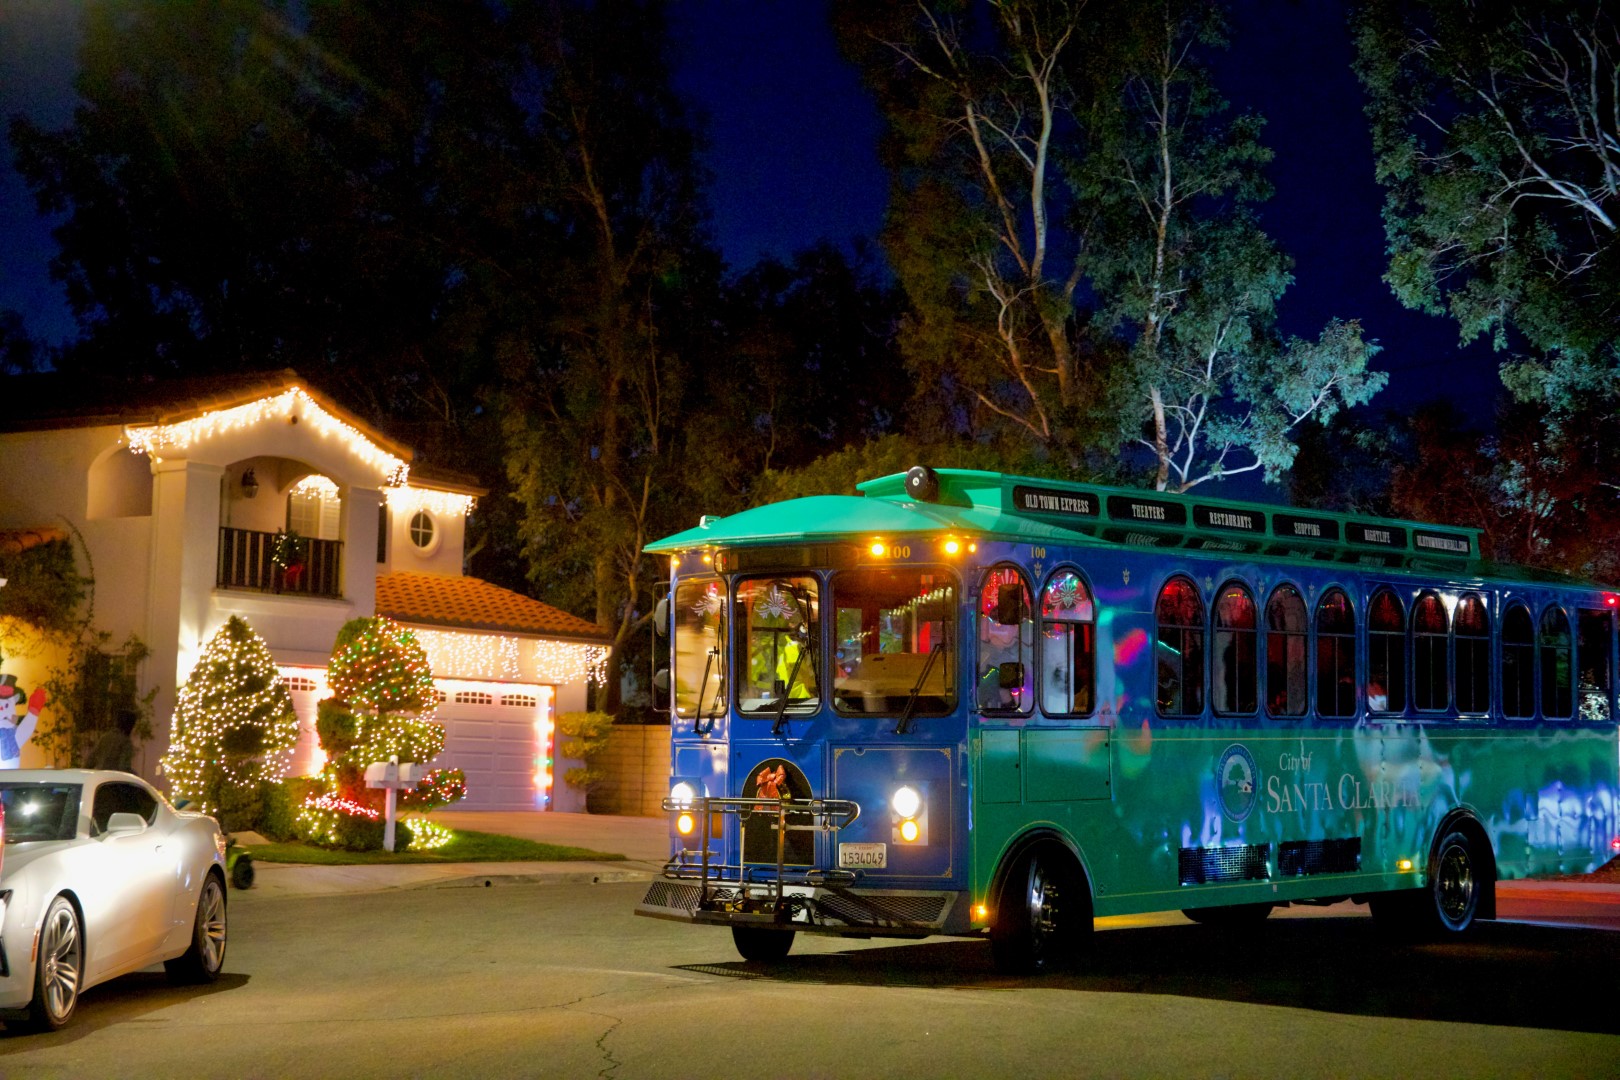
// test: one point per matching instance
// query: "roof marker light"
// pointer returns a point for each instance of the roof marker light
(877, 549)
(952, 546)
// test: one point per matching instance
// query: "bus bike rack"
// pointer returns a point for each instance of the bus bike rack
(744, 898)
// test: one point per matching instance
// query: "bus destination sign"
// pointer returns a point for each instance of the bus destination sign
(1300, 527)
(1125, 508)
(1442, 543)
(1034, 500)
(1216, 517)
(1384, 536)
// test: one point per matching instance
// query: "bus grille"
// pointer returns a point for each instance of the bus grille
(1299, 857)
(878, 910)
(1248, 862)
(673, 894)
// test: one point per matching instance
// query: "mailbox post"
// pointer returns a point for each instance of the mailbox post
(391, 776)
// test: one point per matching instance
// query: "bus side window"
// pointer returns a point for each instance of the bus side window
(1179, 649)
(1006, 669)
(1336, 660)
(1518, 663)
(1471, 641)
(1386, 653)
(1236, 651)
(1557, 700)
(1431, 630)
(1593, 650)
(1286, 637)
(1068, 646)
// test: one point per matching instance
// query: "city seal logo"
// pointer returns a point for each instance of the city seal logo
(1236, 782)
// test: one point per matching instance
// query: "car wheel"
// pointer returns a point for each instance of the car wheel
(762, 946)
(206, 956)
(1231, 915)
(242, 871)
(1044, 915)
(60, 970)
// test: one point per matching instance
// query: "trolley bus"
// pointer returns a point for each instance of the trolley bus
(971, 703)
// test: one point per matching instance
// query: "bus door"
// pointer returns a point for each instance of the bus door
(1042, 756)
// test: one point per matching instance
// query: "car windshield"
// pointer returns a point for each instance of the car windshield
(40, 811)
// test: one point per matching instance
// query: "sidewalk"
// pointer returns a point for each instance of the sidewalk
(643, 841)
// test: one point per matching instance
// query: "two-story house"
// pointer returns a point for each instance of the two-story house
(179, 490)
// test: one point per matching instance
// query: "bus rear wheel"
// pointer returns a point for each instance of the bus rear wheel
(1231, 915)
(761, 946)
(1043, 916)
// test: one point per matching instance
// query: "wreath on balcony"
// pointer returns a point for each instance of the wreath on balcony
(287, 549)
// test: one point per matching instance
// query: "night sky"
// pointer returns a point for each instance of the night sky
(793, 135)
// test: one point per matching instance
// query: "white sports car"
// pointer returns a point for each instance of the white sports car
(100, 877)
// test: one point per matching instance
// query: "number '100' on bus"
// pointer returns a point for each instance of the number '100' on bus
(976, 704)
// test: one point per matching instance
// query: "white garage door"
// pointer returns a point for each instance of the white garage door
(491, 735)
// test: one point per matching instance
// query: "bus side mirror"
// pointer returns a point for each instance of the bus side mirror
(661, 680)
(661, 617)
(1010, 675)
(1010, 607)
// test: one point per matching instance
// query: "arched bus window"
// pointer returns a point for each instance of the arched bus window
(1068, 646)
(1236, 651)
(1179, 649)
(1471, 637)
(1006, 671)
(1335, 655)
(1594, 649)
(1430, 632)
(1518, 663)
(1286, 636)
(1557, 696)
(1386, 653)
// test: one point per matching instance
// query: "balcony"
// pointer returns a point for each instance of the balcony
(245, 563)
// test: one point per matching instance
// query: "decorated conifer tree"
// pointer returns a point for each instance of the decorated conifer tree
(234, 726)
(383, 707)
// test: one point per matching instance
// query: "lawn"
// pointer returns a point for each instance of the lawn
(466, 847)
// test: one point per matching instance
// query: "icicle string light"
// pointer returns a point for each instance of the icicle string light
(316, 484)
(408, 500)
(472, 656)
(291, 404)
(567, 662)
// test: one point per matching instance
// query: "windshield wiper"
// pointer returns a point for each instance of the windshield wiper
(904, 724)
(697, 718)
(787, 691)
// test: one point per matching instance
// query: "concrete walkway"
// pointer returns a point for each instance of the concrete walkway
(644, 842)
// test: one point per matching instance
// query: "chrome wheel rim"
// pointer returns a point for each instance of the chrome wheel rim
(211, 925)
(1455, 884)
(60, 961)
(1045, 909)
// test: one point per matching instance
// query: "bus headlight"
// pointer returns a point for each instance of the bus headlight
(909, 816)
(906, 802)
(682, 794)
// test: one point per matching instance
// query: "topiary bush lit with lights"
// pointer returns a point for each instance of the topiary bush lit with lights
(234, 727)
(383, 706)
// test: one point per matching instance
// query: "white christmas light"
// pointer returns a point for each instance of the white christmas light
(316, 484)
(568, 662)
(475, 656)
(288, 405)
(408, 500)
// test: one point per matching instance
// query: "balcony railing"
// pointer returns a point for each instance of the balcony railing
(245, 563)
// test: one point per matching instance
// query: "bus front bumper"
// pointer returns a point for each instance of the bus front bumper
(813, 909)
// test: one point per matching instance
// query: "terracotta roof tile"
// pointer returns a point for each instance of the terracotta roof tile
(17, 541)
(473, 604)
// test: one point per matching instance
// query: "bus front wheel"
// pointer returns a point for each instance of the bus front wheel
(762, 946)
(1043, 916)
(1458, 877)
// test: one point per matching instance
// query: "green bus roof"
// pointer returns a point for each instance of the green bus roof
(972, 503)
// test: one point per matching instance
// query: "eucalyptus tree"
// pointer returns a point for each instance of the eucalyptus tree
(1072, 217)
(1497, 133)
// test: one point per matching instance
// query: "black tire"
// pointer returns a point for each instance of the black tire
(242, 872)
(59, 970)
(1043, 916)
(1448, 905)
(203, 961)
(762, 946)
(1231, 915)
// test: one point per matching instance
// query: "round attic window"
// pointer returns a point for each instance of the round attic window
(421, 530)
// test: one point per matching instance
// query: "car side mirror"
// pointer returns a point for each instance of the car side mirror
(125, 822)
(1010, 675)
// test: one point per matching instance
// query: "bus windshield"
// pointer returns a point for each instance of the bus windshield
(894, 637)
(700, 654)
(781, 633)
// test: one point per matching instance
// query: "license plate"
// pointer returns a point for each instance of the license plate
(863, 856)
